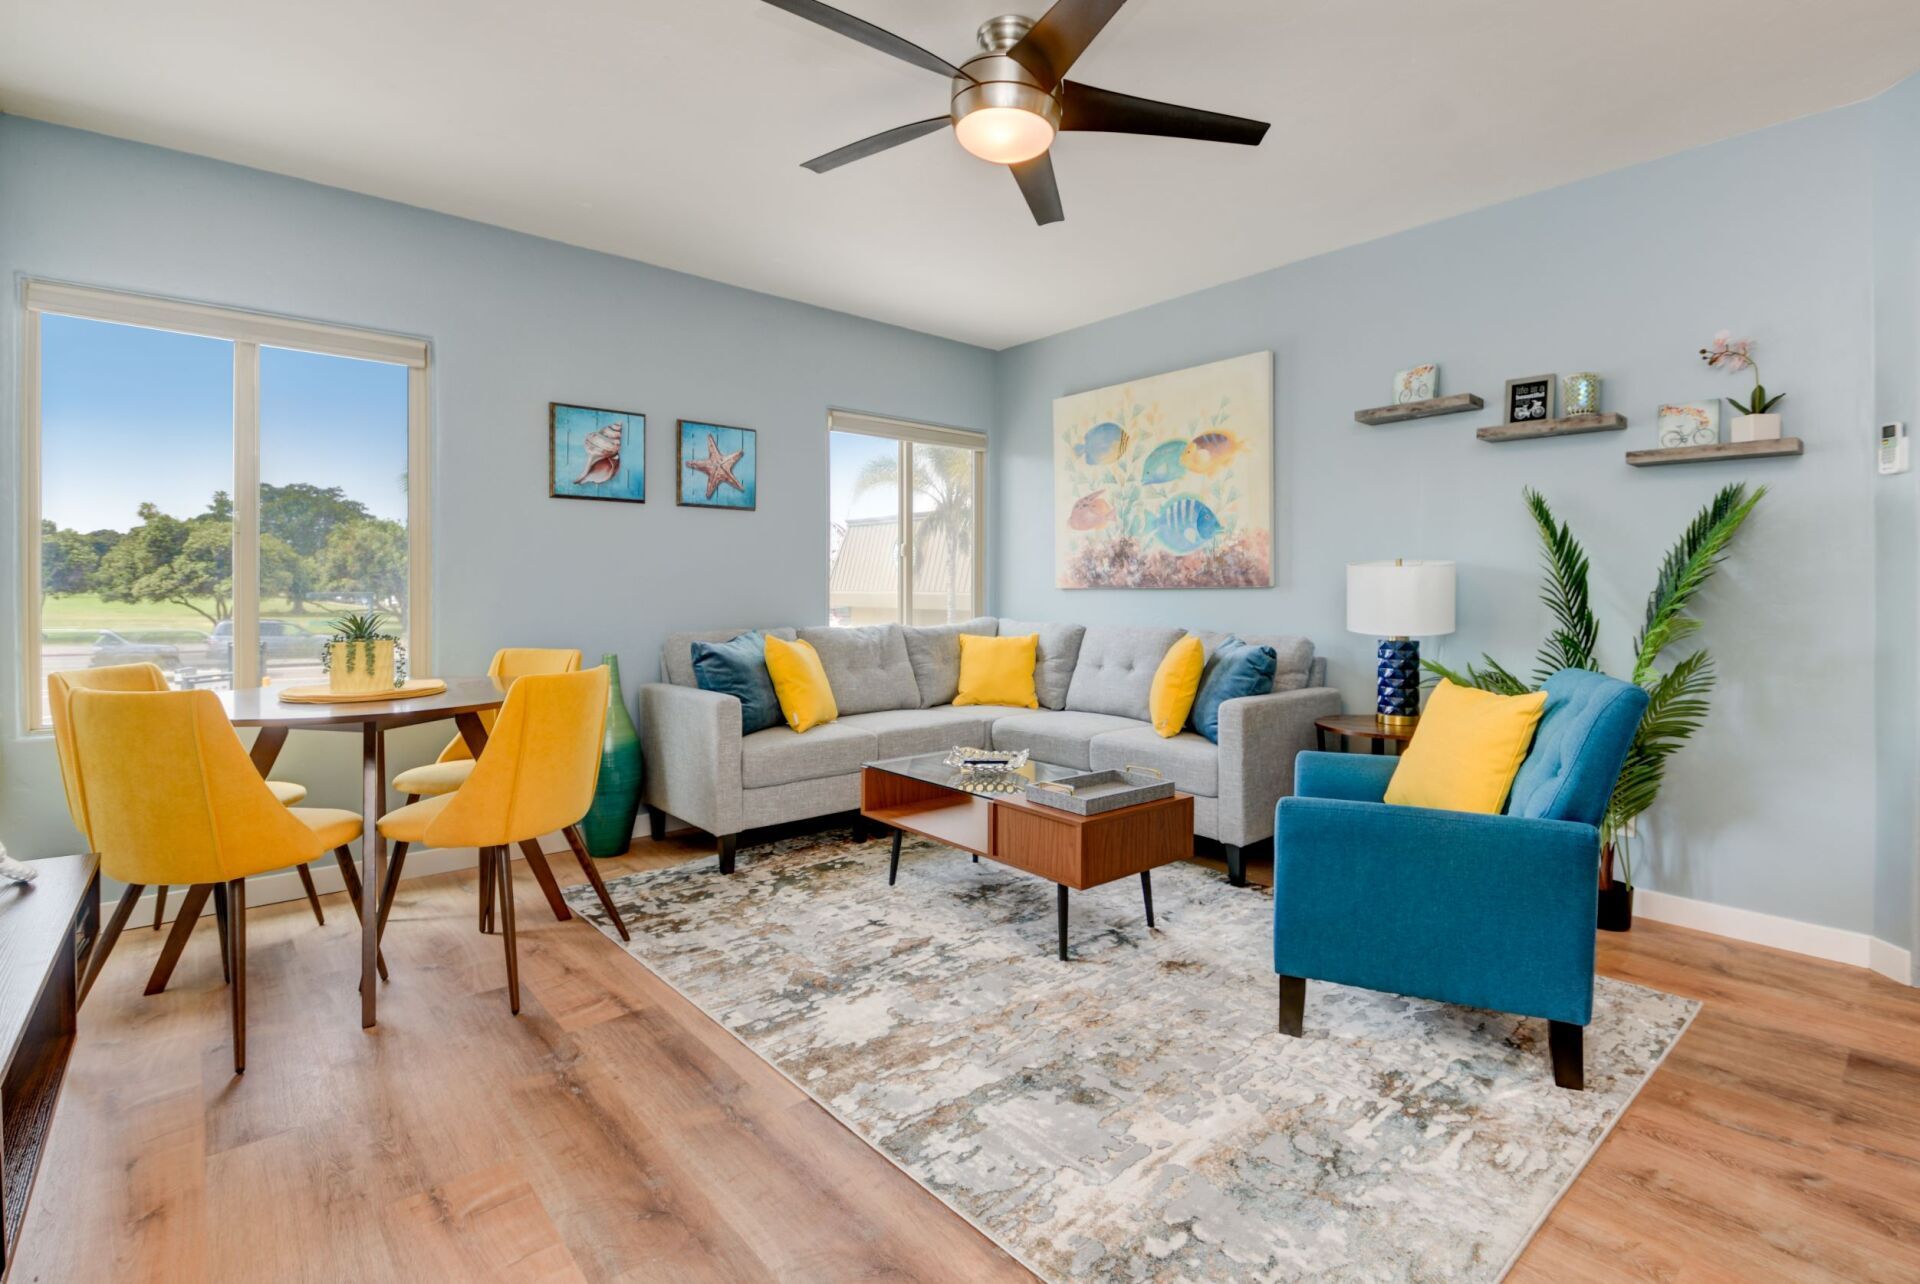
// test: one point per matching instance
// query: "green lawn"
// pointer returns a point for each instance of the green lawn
(78, 617)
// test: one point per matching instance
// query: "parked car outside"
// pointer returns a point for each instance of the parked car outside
(280, 643)
(113, 648)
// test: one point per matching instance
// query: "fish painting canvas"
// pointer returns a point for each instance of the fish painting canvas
(596, 454)
(718, 467)
(1167, 481)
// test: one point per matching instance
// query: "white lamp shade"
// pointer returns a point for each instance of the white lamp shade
(1400, 599)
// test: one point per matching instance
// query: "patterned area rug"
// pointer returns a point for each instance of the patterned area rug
(1131, 1114)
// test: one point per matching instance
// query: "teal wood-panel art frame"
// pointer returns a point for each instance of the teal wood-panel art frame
(717, 466)
(596, 454)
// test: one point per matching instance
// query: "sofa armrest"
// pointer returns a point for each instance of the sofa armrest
(1484, 910)
(690, 742)
(1355, 777)
(1259, 738)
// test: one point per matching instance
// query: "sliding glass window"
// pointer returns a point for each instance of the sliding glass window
(207, 488)
(921, 571)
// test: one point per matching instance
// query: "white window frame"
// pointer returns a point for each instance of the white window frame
(908, 433)
(248, 332)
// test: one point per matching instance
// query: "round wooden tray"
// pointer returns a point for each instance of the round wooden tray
(326, 695)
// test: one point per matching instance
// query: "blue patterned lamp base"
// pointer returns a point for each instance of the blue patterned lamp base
(1399, 673)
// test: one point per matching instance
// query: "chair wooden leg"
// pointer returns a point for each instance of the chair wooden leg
(223, 916)
(159, 905)
(578, 841)
(104, 946)
(536, 858)
(1567, 1044)
(236, 896)
(194, 900)
(313, 893)
(1293, 1005)
(505, 885)
(343, 855)
(396, 861)
(486, 890)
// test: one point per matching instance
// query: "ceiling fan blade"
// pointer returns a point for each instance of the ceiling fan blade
(1084, 107)
(866, 33)
(1061, 36)
(877, 143)
(1036, 184)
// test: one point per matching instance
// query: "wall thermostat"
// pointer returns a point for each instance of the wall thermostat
(1892, 454)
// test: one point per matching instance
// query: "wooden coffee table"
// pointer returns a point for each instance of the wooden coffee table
(922, 795)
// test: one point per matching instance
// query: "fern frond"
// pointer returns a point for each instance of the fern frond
(1577, 631)
(1688, 566)
(1676, 708)
(1495, 677)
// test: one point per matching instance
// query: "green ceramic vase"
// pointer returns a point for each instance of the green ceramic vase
(608, 827)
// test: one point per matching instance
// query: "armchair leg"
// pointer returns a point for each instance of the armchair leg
(1236, 863)
(656, 824)
(1567, 1043)
(729, 845)
(1293, 1005)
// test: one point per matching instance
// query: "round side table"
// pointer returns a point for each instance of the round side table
(1362, 726)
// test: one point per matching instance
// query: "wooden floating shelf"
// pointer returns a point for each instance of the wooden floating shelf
(1458, 403)
(1778, 448)
(1571, 426)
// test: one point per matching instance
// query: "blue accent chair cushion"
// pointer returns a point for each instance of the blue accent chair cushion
(1488, 911)
(1235, 669)
(738, 667)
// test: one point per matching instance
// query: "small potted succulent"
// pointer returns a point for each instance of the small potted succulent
(361, 656)
(1754, 418)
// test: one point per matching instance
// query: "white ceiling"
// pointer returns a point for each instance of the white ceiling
(674, 133)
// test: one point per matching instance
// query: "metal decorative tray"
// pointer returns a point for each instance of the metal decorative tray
(1093, 792)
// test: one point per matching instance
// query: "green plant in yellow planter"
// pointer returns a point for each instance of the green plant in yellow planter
(362, 656)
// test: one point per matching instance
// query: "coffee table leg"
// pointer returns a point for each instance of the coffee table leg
(1060, 901)
(893, 865)
(1146, 893)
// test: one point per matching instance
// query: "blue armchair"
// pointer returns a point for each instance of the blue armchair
(1489, 911)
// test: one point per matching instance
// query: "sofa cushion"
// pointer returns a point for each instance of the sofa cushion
(739, 668)
(1059, 651)
(998, 671)
(1115, 670)
(1062, 738)
(1292, 656)
(676, 653)
(1189, 759)
(1234, 669)
(934, 652)
(867, 667)
(780, 756)
(904, 731)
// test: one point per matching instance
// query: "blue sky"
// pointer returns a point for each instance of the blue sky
(129, 415)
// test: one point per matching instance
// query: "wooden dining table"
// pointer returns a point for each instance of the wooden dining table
(463, 701)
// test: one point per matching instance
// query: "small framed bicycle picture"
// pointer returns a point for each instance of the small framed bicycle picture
(1530, 400)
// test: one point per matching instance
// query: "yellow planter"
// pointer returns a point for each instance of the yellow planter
(360, 666)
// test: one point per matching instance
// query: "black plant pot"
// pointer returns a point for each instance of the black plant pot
(1616, 907)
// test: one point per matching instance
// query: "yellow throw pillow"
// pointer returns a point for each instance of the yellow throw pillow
(1466, 750)
(998, 670)
(800, 682)
(1175, 683)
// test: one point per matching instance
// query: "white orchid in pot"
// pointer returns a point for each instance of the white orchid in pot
(1755, 420)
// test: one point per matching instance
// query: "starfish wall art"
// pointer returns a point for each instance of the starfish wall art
(718, 467)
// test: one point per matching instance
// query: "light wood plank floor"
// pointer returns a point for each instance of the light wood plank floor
(613, 1132)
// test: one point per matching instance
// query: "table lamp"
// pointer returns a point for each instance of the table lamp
(1397, 602)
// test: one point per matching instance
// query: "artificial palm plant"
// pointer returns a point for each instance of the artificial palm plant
(1677, 698)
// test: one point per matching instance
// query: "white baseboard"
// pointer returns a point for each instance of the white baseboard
(284, 884)
(1835, 944)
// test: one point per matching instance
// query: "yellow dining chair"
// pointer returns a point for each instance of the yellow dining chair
(170, 796)
(455, 763)
(535, 775)
(136, 677)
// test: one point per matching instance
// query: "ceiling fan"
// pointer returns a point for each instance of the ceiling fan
(1012, 98)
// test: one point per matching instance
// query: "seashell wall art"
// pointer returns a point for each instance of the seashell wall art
(596, 454)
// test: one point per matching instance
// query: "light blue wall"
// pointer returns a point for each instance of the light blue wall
(515, 322)
(1772, 807)
(1896, 118)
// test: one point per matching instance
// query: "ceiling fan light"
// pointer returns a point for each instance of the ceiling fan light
(1004, 135)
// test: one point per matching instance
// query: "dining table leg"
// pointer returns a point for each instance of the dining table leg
(373, 862)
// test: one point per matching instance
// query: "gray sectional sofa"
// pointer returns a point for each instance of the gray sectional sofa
(895, 688)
